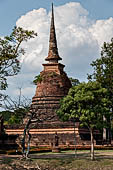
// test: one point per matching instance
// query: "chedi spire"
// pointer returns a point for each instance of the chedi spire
(53, 84)
(53, 55)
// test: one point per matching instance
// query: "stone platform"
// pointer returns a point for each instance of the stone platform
(43, 135)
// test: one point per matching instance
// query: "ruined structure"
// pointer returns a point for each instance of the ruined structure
(53, 83)
(6, 141)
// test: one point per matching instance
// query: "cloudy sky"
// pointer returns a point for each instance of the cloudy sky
(81, 27)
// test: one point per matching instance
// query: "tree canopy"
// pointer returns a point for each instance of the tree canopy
(103, 70)
(9, 53)
(86, 102)
(85, 99)
(74, 81)
(103, 73)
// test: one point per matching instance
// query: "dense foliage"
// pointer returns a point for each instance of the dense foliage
(74, 81)
(16, 117)
(88, 103)
(103, 73)
(103, 70)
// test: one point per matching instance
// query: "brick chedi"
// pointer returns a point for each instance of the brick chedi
(53, 82)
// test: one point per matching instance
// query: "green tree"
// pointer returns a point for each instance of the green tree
(37, 79)
(13, 117)
(74, 81)
(86, 102)
(10, 51)
(103, 73)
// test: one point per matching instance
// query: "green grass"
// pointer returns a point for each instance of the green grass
(103, 161)
(76, 164)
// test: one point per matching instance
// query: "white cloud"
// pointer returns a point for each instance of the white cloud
(102, 30)
(79, 39)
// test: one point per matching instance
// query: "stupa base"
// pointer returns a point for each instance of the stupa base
(56, 149)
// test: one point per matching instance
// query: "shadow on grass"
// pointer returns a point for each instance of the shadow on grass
(59, 162)
(6, 160)
(79, 155)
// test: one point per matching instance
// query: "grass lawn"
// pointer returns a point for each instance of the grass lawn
(62, 161)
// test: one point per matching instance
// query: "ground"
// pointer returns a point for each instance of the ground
(63, 161)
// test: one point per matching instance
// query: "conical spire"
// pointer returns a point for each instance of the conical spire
(53, 55)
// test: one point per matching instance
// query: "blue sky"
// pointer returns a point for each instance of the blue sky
(11, 10)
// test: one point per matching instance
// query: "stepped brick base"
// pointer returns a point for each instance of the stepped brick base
(44, 135)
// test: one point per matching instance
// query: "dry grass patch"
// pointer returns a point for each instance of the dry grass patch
(103, 161)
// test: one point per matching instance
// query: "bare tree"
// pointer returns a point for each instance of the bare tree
(17, 106)
(34, 116)
(17, 102)
(31, 119)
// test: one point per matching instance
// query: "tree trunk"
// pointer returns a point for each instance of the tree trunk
(92, 144)
(28, 145)
(26, 129)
